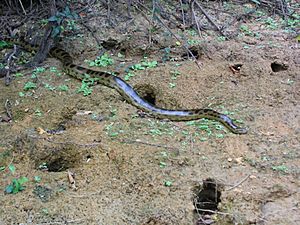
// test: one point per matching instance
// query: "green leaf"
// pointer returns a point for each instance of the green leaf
(9, 189)
(12, 168)
(37, 179)
(22, 180)
(53, 19)
(162, 164)
(55, 31)
(256, 2)
(29, 85)
(168, 183)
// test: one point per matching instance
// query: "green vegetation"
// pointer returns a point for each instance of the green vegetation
(16, 185)
(4, 44)
(59, 18)
(271, 23)
(280, 168)
(86, 85)
(168, 183)
(38, 113)
(29, 86)
(221, 38)
(139, 66)
(101, 61)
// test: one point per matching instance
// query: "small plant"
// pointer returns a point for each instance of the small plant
(293, 22)
(39, 70)
(37, 179)
(43, 166)
(49, 87)
(128, 76)
(144, 65)
(4, 44)
(59, 18)
(245, 29)
(281, 168)
(193, 42)
(63, 87)
(16, 185)
(53, 69)
(19, 74)
(29, 85)
(102, 61)
(271, 23)
(175, 74)
(172, 85)
(168, 183)
(150, 64)
(221, 38)
(162, 164)
(192, 32)
(38, 113)
(86, 84)
(138, 66)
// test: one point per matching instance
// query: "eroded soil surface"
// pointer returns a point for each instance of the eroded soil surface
(133, 169)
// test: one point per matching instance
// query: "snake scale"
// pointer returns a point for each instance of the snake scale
(129, 94)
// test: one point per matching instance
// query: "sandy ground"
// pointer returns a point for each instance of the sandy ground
(139, 170)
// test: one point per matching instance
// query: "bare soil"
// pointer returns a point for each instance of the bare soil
(132, 169)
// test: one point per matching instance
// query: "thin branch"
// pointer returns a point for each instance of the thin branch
(209, 18)
(22, 7)
(239, 183)
(182, 13)
(174, 35)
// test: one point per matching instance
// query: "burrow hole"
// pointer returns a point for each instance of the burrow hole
(277, 67)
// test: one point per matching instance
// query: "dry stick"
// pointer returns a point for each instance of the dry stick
(182, 13)
(92, 33)
(184, 45)
(22, 7)
(239, 183)
(129, 2)
(108, 10)
(194, 15)
(283, 8)
(210, 19)
(171, 32)
(8, 77)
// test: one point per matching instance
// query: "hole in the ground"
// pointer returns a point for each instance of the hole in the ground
(194, 50)
(149, 97)
(208, 196)
(277, 67)
(147, 92)
(58, 165)
(110, 43)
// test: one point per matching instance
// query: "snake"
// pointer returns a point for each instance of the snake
(128, 92)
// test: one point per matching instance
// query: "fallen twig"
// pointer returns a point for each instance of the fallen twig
(171, 32)
(209, 18)
(238, 183)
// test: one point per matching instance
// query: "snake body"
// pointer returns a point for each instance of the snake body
(130, 95)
